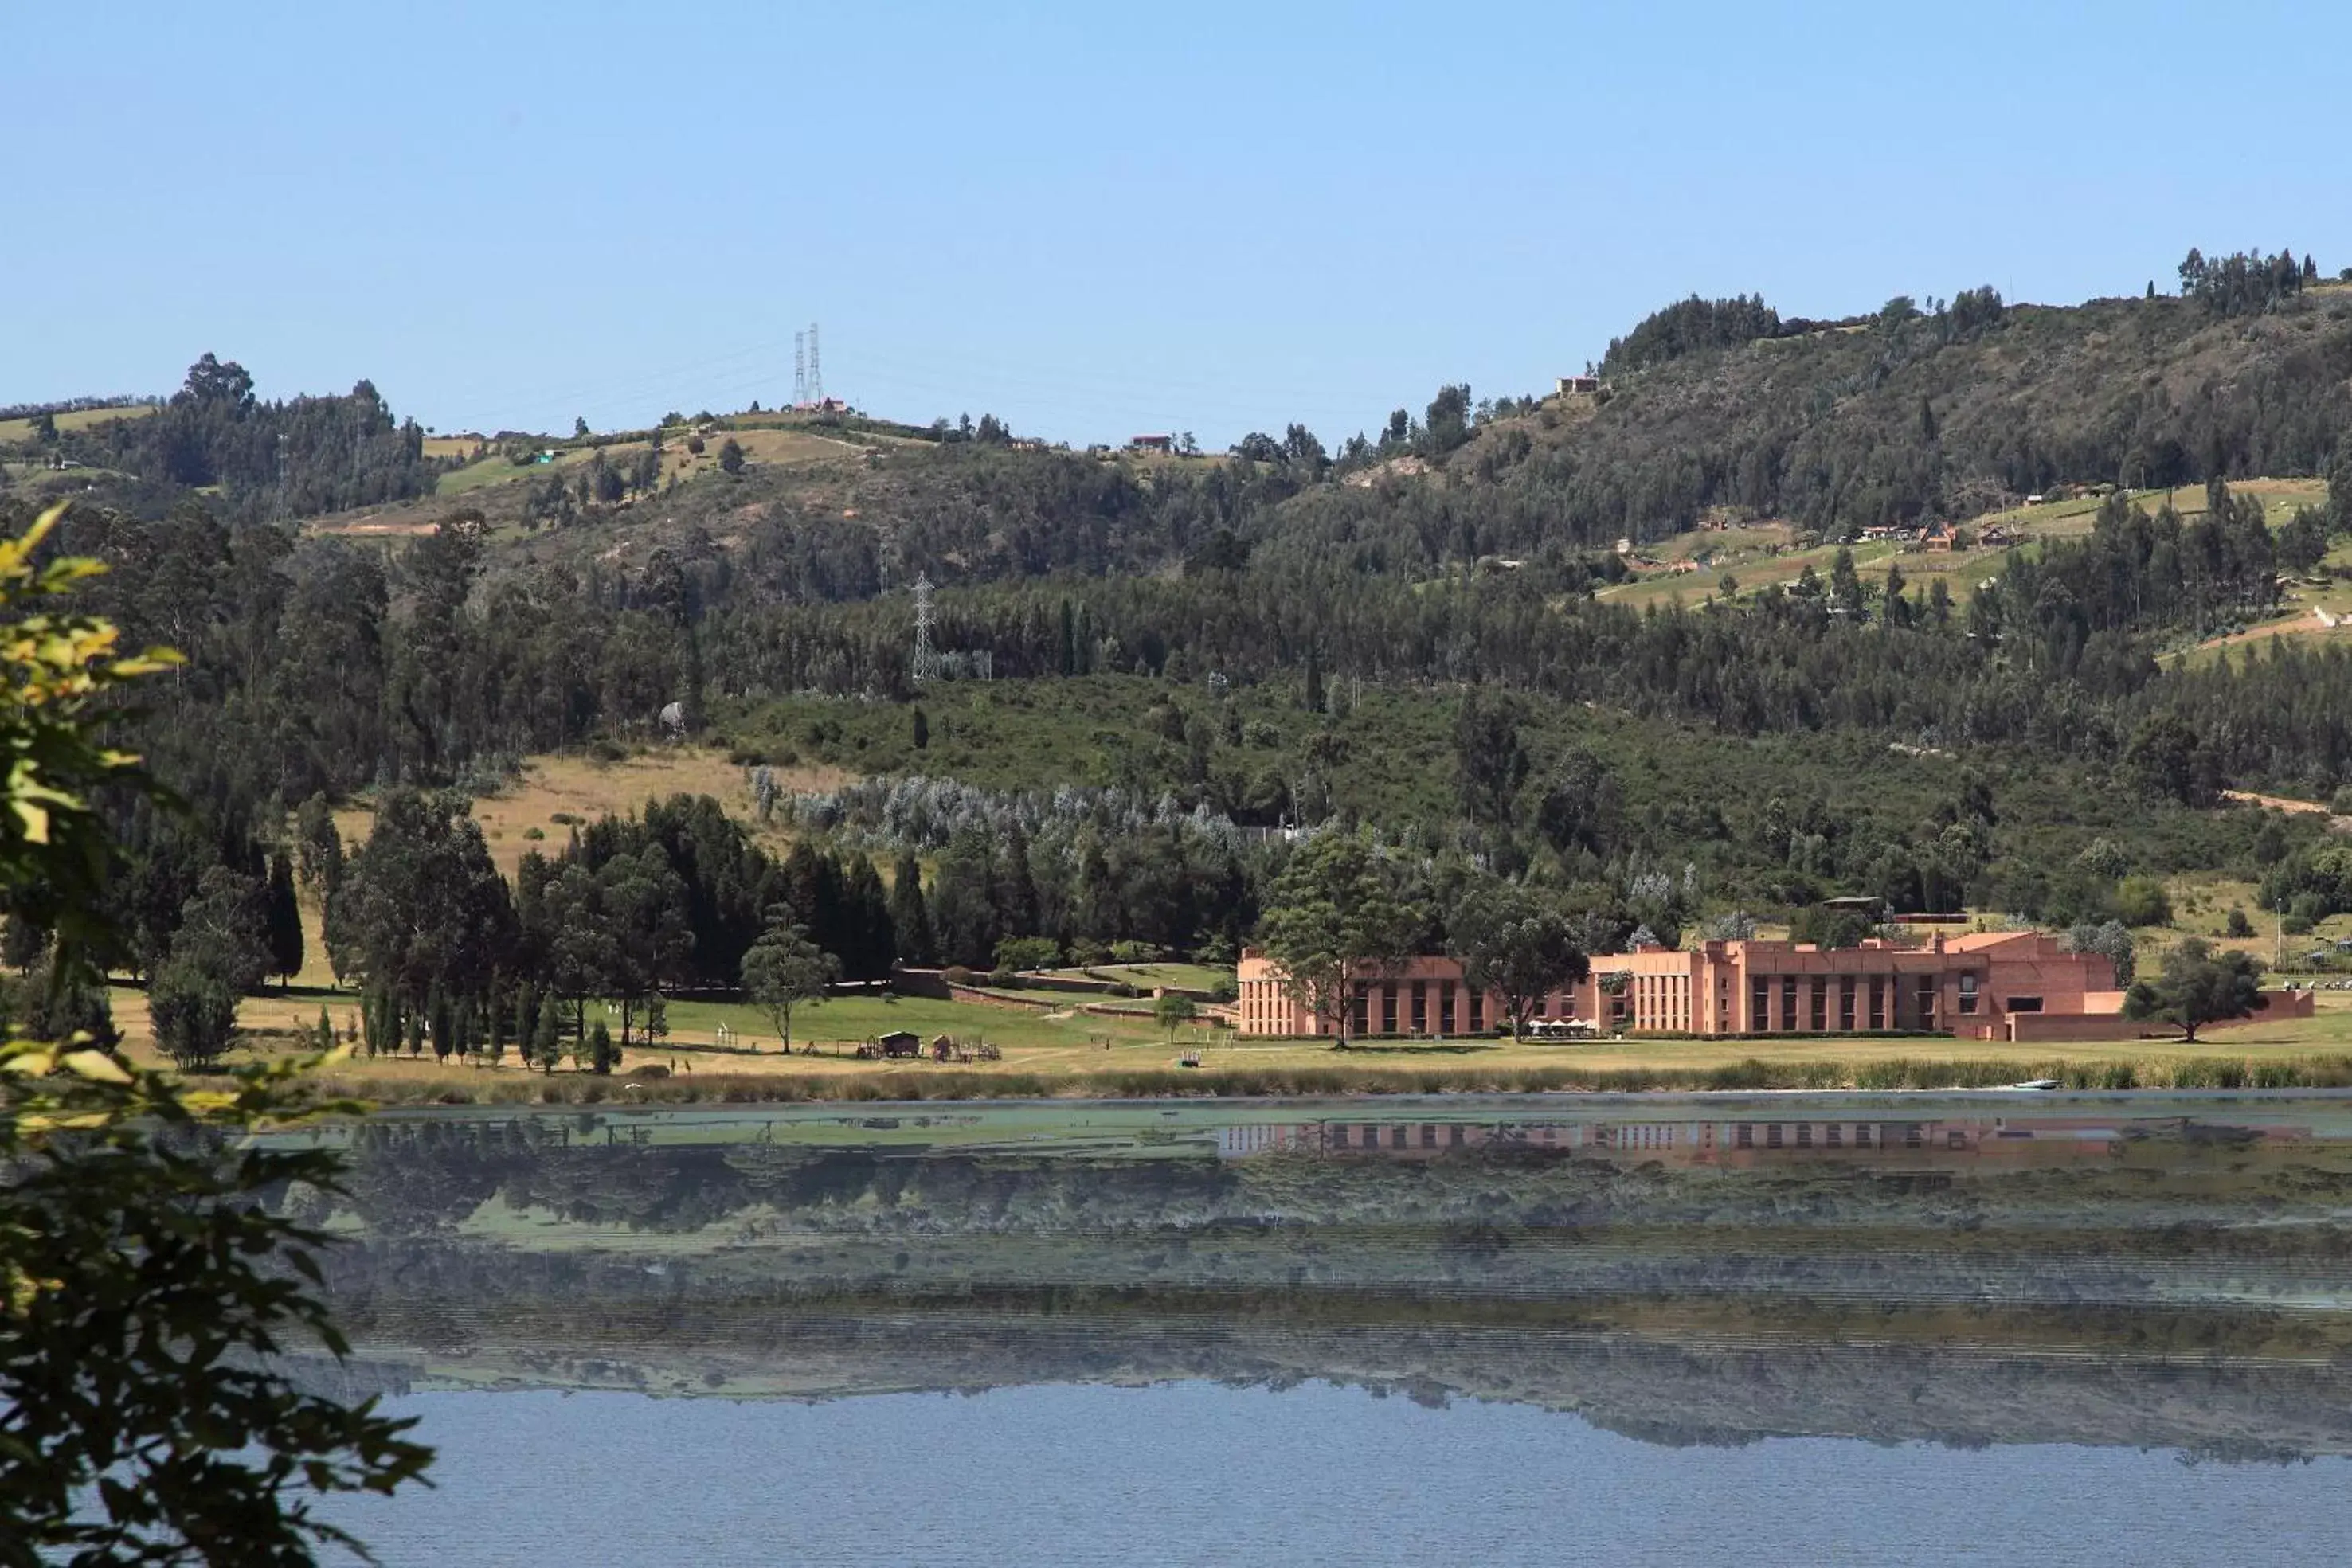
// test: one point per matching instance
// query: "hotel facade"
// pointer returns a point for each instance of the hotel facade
(1990, 986)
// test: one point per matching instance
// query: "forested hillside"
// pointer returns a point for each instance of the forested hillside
(1417, 634)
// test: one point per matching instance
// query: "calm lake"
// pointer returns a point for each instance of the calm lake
(1857, 1328)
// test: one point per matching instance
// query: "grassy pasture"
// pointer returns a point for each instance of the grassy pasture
(781, 447)
(15, 430)
(2295, 618)
(1748, 553)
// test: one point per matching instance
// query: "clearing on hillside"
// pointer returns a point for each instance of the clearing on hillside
(1762, 555)
(553, 789)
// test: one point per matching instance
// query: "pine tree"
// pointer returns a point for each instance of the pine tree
(546, 1044)
(603, 1054)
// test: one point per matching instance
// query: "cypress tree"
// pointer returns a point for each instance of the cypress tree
(283, 917)
(910, 917)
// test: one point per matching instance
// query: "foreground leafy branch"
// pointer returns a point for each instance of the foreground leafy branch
(145, 1283)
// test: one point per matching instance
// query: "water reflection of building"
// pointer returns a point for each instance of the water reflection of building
(2010, 1140)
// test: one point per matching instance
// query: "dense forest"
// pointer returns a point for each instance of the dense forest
(1279, 637)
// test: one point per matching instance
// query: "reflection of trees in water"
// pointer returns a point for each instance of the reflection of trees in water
(2114, 1378)
(2121, 1301)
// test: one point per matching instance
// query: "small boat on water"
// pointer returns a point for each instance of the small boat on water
(2042, 1084)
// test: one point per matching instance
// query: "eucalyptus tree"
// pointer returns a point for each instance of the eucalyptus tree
(785, 970)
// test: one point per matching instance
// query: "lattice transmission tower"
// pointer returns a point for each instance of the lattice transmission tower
(800, 369)
(816, 368)
(926, 660)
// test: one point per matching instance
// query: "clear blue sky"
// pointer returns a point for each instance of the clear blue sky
(1098, 220)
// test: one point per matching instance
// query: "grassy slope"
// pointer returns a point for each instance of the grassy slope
(801, 457)
(2295, 618)
(15, 430)
(774, 446)
(1762, 555)
(587, 789)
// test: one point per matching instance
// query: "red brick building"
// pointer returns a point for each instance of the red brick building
(2017, 986)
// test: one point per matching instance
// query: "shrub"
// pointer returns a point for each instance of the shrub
(956, 975)
(1004, 979)
(1027, 953)
(534, 833)
(2296, 926)
(607, 750)
(2142, 901)
(2238, 924)
(2341, 801)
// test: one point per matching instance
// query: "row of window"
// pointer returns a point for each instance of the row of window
(1441, 1006)
(1785, 1003)
(1793, 1002)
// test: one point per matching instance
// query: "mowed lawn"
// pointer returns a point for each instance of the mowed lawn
(1146, 976)
(1067, 1043)
(1057, 1040)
